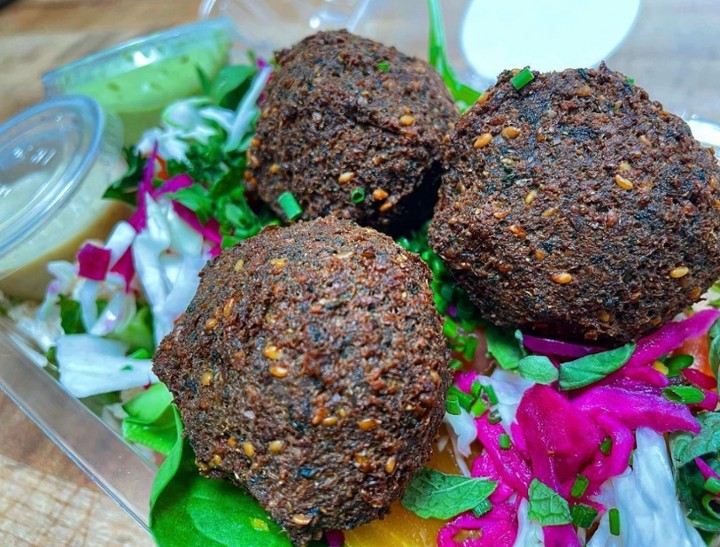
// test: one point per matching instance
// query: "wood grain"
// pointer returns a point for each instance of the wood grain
(44, 498)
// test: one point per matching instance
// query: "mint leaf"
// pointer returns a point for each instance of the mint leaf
(503, 345)
(591, 368)
(187, 509)
(432, 494)
(538, 368)
(547, 506)
(685, 447)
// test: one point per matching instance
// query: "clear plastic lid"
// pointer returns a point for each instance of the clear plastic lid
(138, 53)
(45, 154)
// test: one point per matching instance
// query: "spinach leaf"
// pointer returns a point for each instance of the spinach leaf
(503, 345)
(685, 447)
(432, 494)
(464, 95)
(547, 506)
(151, 420)
(538, 368)
(187, 509)
(591, 368)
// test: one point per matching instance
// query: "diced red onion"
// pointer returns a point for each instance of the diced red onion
(93, 262)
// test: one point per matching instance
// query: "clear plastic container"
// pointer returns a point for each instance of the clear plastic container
(138, 78)
(56, 161)
(656, 54)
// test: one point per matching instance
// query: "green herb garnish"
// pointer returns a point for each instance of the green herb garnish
(289, 205)
(614, 516)
(591, 368)
(583, 515)
(383, 66)
(538, 368)
(547, 506)
(357, 195)
(432, 494)
(522, 78)
(687, 395)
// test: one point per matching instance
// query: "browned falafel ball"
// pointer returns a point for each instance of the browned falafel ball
(344, 113)
(577, 207)
(310, 369)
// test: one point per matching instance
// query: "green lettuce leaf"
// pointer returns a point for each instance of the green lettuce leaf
(151, 419)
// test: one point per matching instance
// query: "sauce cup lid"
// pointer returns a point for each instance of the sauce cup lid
(45, 154)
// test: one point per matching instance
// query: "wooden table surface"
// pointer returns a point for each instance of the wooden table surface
(44, 499)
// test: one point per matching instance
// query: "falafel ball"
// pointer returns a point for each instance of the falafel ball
(577, 207)
(344, 113)
(311, 370)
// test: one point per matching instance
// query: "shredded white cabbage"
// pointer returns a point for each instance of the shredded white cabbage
(90, 365)
(509, 388)
(645, 496)
(530, 533)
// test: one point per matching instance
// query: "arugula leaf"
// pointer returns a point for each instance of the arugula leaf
(547, 506)
(70, 316)
(503, 345)
(685, 447)
(125, 188)
(464, 95)
(591, 368)
(432, 494)
(538, 368)
(187, 509)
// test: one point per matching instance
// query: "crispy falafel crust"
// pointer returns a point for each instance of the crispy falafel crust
(573, 206)
(311, 370)
(345, 112)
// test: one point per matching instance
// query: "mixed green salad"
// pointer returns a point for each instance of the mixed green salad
(524, 415)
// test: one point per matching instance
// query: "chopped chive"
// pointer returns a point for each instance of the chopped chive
(583, 515)
(631, 81)
(494, 417)
(684, 394)
(606, 446)
(447, 291)
(712, 485)
(483, 507)
(471, 344)
(465, 310)
(476, 388)
(579, 486)
(677, 363)
(465, 399)
(126, 368)
(490, 392)
(710, 503)
(289, 205)
(467, 326)
(455, 364)
(504, 441)
(452, 405)
(478, 408)
(141, 353)
(522, 78)
(357, 195)
(450, 328)
(383, 65)
(614, 515)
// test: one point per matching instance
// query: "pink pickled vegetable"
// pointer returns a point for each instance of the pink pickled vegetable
(464, 380)
(93, 261)
(560, 440)
(511, 466)
(498, 527)
(616, 461)
(699, 379)
(637, 406)
(710, 401)
(484, 466)
(335, 538)
(547, 346)
(671, 336)
(125, 267)
(706, 471)
(173, 184)
(560, 536)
